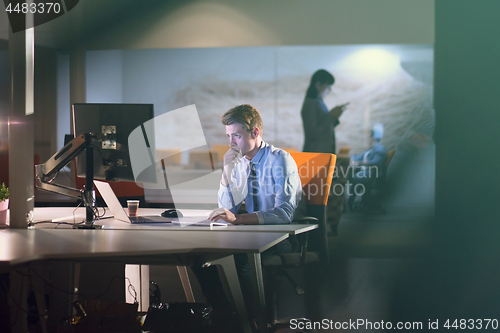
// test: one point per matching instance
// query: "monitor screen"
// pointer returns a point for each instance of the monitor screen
(112, 125)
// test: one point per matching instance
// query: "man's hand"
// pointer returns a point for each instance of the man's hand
(225, 215)
(231, 157)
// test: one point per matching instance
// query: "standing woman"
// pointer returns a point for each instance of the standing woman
(317, 121)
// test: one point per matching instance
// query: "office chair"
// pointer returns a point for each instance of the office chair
(290, 149)
(344, 151)
(380, 182)
(220, 149)
(169, 156)
(316, 173)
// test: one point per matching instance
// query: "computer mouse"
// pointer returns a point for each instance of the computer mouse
(171, 213)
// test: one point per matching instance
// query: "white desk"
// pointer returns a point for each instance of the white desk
(24, 247)
(71, 215)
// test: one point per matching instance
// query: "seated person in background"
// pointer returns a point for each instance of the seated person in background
(263, 176)
(367, 167)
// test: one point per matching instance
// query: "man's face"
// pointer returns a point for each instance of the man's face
(240, 139)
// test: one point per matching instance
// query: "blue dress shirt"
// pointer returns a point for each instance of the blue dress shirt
(374, 157)
(279, 187)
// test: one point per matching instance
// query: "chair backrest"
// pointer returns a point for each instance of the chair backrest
(380, 182)
(390, 154)
(344, 150)
(220, 150)
(290, 149)
(203, 159)
(170, 156)
(316, 173)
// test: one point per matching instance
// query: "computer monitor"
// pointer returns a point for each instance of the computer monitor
(112, 125)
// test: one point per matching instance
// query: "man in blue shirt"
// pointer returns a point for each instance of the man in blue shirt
(266, 179)
(368, 166)
(263, 176)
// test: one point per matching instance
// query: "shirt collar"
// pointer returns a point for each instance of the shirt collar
(256, 159)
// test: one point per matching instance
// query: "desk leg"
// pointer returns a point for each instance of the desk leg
(186, 284)
(258, 281)
(229, 270)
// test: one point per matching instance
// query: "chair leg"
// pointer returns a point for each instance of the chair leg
(297, 288)
(273, 284)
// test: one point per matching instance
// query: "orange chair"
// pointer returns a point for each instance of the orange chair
(203, 160)
(170, 156)
(344, 151)
(290, 149)
(220, 150)
(390, 155)
(316, 173)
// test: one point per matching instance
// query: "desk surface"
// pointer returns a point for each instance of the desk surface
(118, 242)
(65, 214)
(18, 246)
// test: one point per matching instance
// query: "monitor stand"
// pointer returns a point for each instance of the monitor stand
(89, 194)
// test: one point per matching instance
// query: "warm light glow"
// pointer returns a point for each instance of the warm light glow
(373, 61)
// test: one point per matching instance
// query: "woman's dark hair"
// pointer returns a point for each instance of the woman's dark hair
(322, 77)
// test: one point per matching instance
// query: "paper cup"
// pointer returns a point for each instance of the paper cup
(133, 207)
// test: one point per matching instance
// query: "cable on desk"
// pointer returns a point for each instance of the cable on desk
(74, 210)
(49, 222)
(99, 217)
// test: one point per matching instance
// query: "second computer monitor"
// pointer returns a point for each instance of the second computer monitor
(112, 125)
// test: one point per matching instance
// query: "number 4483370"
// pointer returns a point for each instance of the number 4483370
(462, 324)
(34, 8)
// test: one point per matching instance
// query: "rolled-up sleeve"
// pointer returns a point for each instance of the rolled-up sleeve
(226, 199)
(231, 197)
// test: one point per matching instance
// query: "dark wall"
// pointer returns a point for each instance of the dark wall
(458, 277)
(4, 94)
(45, 102)
(467, 102)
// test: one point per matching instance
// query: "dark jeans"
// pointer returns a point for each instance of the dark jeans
(212, 288)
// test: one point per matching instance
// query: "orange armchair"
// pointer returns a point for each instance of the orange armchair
(316, 172)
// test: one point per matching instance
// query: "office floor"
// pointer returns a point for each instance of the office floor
(369, 258)
(372, 254)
